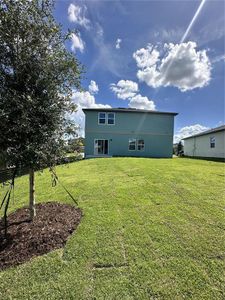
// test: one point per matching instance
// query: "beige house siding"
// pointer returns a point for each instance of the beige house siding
(200, 145)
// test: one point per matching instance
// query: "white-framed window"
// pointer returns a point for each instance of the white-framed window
(132, 144)
(140, 145)
(101, 118)
(106, 118)
(212, 142)
(135, 144)
(111, 118)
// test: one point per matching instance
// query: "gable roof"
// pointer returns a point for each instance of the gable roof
(128, 110)
(217, 129)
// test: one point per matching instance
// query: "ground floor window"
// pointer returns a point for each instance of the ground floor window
(135, 144)
(212, 142)
(140, 145)
(132, 144)
(101, 147)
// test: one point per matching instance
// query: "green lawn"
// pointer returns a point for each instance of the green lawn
(152, 229)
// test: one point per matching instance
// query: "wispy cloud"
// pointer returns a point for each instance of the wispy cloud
(77, 14)
(212, 31)
(107, 59)
(193, 21)
(167, 35)
(77, 42)
(218, 58)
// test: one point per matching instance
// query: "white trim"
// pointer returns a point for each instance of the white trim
(136, 144)
(114, 118)
(106, 118)
(135, 140)
(212, 141)
(129, 132)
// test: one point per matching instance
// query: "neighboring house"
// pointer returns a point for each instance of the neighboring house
(209, 144)
(128, 132)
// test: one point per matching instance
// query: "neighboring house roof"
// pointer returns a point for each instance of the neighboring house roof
(132, 110)
(213, 130)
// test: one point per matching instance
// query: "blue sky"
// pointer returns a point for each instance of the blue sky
(163, 55)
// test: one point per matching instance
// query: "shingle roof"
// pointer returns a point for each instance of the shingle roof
(132, 110)
(220, 128)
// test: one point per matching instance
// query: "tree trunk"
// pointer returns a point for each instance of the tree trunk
(32, 195)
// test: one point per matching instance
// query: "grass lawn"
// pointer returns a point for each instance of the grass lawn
(152, 229)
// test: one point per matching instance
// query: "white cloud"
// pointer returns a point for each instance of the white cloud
(181, 66)
(118, 42)
(146, 57)
(124, 89)
(84, 100)
(93, 87)
(77, 13)
(128, 90)
(77, 42)
(141, 102)
(189, 131)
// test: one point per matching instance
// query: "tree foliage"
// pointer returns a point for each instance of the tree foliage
(75, 145)
(179, 148)
(37, 75)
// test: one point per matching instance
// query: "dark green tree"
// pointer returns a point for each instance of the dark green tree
(179, 148)
(37, 75)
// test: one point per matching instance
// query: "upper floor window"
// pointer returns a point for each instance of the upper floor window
(106, 118)
(101, 118)
(111, 118)
(212, 142)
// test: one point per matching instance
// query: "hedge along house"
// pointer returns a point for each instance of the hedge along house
(128, 132)
(208, 144)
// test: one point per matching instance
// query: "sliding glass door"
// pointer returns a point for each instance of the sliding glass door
(101, 147)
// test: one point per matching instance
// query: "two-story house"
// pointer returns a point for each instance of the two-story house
(128, 132)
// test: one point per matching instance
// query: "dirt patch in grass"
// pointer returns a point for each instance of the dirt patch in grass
(49, 230)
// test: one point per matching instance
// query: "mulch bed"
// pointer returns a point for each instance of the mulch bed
(49, 230)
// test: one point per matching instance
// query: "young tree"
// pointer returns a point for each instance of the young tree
(37, 75)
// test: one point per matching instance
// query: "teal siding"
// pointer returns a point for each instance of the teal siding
(155, 129)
